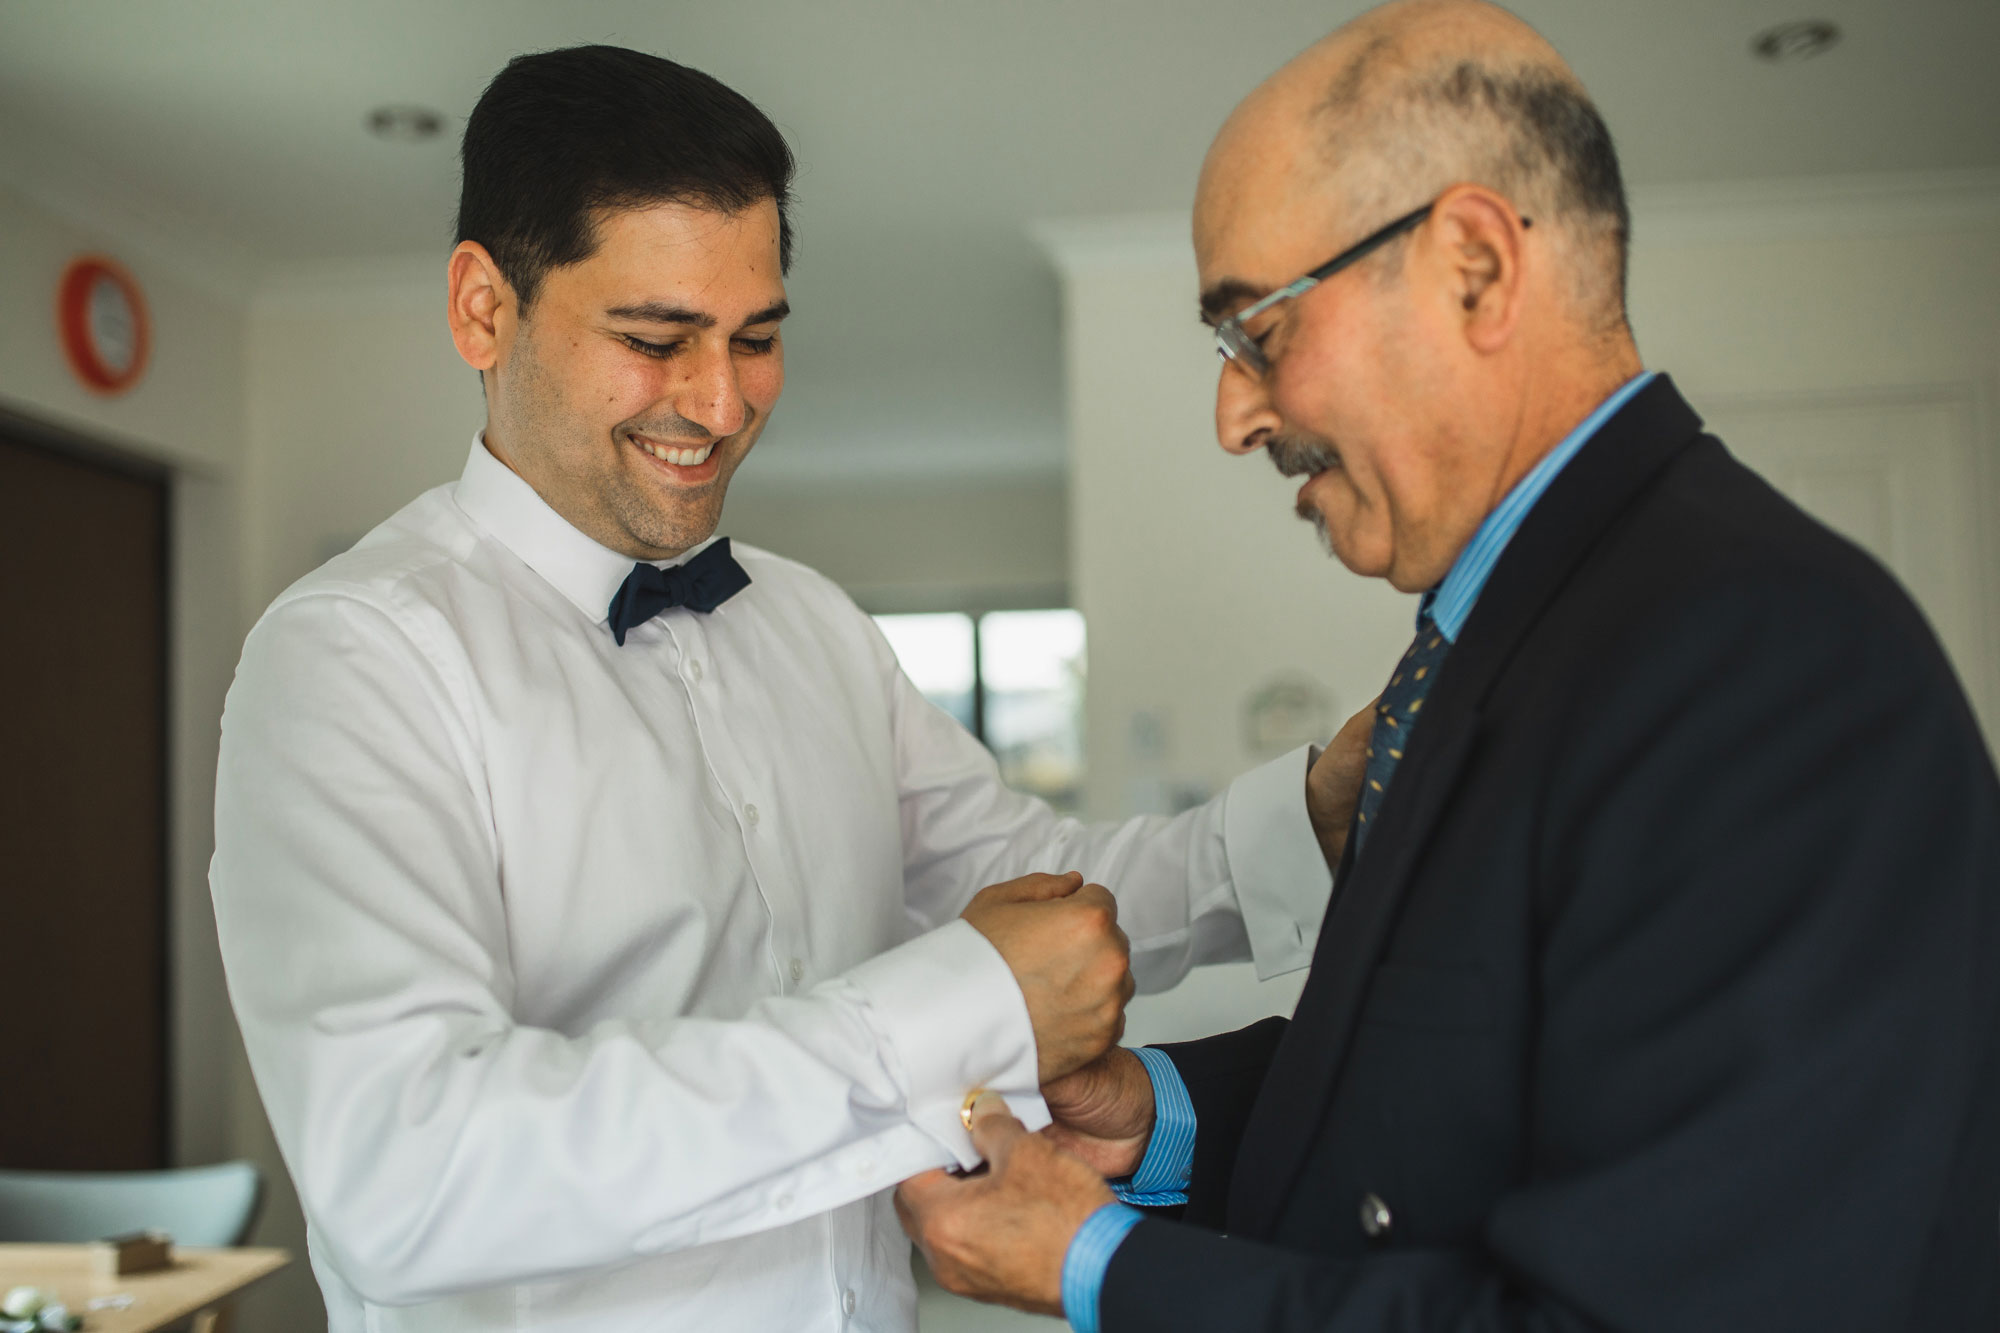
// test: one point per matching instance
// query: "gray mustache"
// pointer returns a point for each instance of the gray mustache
(1295, 456)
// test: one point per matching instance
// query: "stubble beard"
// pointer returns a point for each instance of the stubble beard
(691, 517)
(623, 505)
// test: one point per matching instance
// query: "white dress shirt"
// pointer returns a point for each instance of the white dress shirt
(609, 988)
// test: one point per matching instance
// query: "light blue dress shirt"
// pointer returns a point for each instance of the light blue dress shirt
(1450, 603)
(1163, 1175)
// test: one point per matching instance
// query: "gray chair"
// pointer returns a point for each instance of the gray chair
(203, 1205)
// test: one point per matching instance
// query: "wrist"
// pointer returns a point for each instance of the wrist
(1163, 1170)
(1086, 1261)
(1136, 1091)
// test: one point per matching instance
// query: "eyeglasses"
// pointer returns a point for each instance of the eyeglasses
(1233, 341)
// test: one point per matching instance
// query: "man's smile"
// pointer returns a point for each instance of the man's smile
(686, 466)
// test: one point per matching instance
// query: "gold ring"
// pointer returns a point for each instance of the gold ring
(965, 1110)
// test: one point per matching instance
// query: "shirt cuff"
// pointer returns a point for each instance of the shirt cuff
(1281, 876)
(1089, 1258)
(1163, 1174)
(950, 1012)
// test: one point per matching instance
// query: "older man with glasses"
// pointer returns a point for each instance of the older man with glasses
(1660, 988)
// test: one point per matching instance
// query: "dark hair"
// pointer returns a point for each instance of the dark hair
(561, 134)
(1555, 129)
(1522, 128)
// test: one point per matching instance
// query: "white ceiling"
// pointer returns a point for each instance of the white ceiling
(930, 134)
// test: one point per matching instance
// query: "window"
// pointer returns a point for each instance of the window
(938, 656)
(1015, 680)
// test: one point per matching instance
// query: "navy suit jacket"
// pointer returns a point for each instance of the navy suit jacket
(1666, 995)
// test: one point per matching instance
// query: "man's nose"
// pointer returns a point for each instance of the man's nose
(1243, 414)
(712, 396)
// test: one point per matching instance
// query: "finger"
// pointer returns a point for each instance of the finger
(995, 1131)
(1099, 896)
(1353, 732)
(1035, 888)
(922, 1191)
(912, 1227)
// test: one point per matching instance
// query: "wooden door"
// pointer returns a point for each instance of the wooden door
(82, 812)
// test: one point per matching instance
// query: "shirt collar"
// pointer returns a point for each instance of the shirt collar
(1450, 603)
(589, 574)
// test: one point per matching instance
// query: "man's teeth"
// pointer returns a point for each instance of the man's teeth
(678, 457)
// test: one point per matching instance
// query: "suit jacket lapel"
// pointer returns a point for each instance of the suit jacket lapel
(1571, 516)
(1282, 1125)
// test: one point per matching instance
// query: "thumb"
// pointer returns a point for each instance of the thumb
(995, 1131)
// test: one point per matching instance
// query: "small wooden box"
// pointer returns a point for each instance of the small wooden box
(133, 1252)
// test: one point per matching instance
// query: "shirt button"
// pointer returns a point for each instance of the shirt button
(694, 668)
(783, 1202)
(1376, 1219)
(750, 815)
(798, 969)
(848, 1301)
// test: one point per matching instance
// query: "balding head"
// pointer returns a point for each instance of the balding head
(1419, 95)
(1414, 388)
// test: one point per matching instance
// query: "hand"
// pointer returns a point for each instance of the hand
(1060, 938)
(1333, 784)
(1104, 1113)
(1002, 1236)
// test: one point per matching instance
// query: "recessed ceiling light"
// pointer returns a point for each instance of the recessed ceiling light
(405, 124)
(1795, 41)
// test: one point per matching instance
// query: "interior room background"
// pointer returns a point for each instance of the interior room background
(998, 396)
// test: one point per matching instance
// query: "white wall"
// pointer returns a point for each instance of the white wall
(1837, 297)
(187, 414)
(188, 409)
(356, 403)
(921, 546)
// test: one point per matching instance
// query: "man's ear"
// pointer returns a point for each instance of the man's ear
(1483, 240)
(481, 308)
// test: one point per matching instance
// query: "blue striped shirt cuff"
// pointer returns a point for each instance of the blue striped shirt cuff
(1163, 1174)
(1089, 1258)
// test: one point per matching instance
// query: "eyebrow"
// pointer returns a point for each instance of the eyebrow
(659, 312)
(1224, 294)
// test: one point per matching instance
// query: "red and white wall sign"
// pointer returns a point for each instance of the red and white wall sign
(101, 314)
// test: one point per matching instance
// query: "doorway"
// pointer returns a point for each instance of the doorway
(83, 828)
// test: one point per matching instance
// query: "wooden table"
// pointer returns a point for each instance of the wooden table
(198, 1281)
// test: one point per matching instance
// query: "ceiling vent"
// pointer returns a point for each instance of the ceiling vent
(1791, 42)
(405, 124)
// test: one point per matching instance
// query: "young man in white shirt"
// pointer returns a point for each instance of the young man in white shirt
(590, 893)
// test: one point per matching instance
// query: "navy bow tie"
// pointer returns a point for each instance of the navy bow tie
(702, 584)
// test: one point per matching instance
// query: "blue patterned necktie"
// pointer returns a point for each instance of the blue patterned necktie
(702, 584)
(1396, 717)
